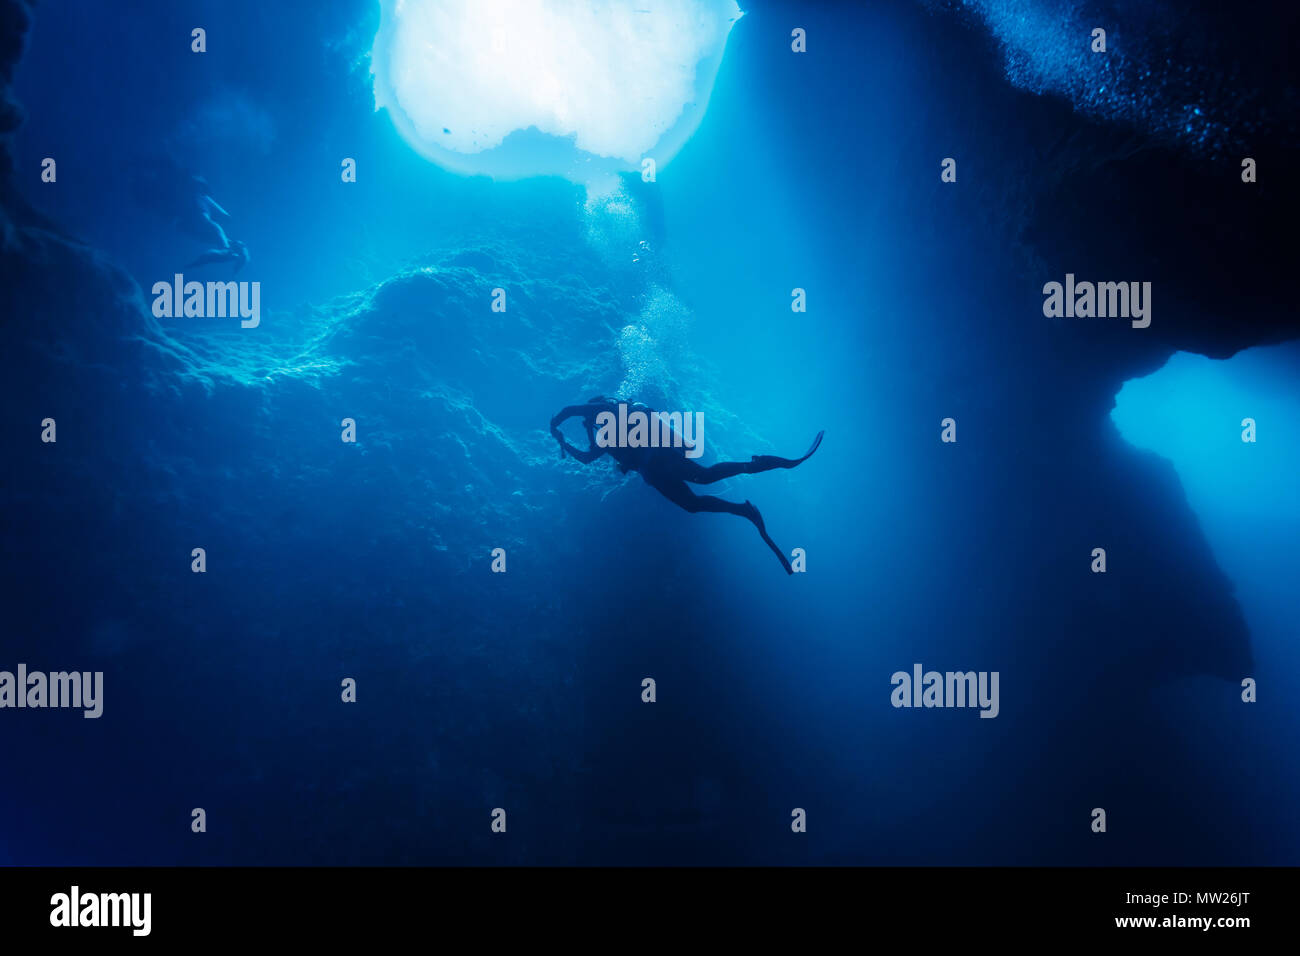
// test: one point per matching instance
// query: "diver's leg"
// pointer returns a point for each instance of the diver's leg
(676, 491)
(683, 497)
(768, 462)
(700, 475)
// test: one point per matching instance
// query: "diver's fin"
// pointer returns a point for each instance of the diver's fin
(817, 442)
(780, 555)
(768, 462)
(757, 519)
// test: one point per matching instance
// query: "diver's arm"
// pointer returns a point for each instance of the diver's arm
(587, 413)
(571, 411)
(586, 457)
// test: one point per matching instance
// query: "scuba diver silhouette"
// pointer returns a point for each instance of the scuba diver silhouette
(184, 200)
(666, 468)
(205, 223)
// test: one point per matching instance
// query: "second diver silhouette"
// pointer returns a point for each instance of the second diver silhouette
(667, 470)
(227, 250)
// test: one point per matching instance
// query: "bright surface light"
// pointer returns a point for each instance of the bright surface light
(1245, 494)
(577, 88)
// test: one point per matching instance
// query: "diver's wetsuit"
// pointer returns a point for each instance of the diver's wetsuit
(667, 469)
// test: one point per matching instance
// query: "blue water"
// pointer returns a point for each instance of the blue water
(1247, 501)
(372, 560)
